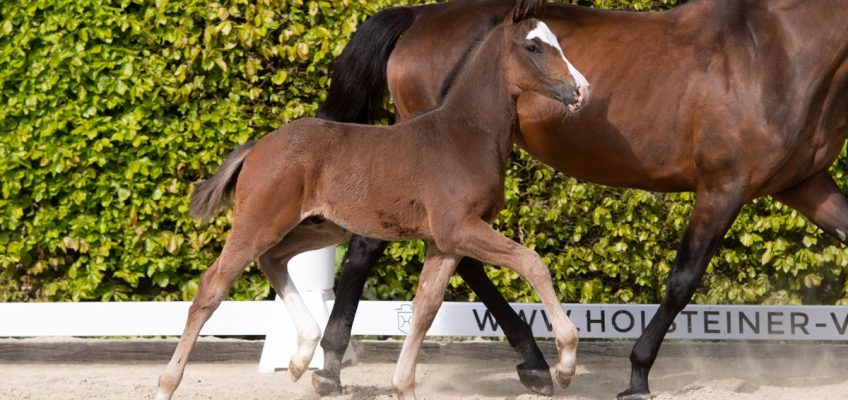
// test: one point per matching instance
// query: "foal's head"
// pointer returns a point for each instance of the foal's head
(534, 61)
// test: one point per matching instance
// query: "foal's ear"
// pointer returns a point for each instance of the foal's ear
(527, 9)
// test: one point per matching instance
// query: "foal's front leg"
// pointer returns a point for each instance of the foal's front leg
(435, 275)
(534, 373)
(477, 239)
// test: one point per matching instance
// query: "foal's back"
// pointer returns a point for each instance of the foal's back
(378, 179)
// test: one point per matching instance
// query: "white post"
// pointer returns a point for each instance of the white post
(313, 274)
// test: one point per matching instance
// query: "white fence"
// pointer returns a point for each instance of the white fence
(391, 318)
(609, 321)
(388, 318)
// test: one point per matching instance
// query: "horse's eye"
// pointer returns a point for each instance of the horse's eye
(532, 49)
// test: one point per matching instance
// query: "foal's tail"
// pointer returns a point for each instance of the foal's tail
(359, 83)
(212, 193)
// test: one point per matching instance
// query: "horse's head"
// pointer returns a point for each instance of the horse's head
(535, 61)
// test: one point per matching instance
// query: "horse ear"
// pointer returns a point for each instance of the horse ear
(527, 9)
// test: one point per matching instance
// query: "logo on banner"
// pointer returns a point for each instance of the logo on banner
(404, 317)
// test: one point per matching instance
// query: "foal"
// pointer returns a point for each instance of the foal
(437, 177)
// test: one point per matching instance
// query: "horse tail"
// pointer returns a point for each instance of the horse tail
(359, 82)
(212, 193)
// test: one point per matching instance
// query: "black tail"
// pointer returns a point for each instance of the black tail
(211, 194)
(358, 84)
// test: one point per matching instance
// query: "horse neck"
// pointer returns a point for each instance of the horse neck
(480, 101)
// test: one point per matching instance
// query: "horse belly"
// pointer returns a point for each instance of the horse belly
(386, 223)
(578, 146)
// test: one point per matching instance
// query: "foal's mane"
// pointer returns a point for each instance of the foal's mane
(450, 79)
(523, 9)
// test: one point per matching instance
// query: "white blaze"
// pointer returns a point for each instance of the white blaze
(544, 34)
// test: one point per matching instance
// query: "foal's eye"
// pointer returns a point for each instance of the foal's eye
(532, 49)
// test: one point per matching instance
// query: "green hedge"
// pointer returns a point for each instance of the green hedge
(112, 110)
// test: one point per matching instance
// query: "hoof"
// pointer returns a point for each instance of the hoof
(296, 372)
(563, 381)
(564, 378)
(537, 380)
(630, 394)
(325, 383)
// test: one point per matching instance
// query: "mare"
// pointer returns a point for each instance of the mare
(733, 100)
(311, 183)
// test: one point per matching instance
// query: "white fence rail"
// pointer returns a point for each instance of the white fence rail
(312, 272)
(609, 321)
(382, 318)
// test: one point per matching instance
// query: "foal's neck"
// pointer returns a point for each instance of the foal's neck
(480, 103)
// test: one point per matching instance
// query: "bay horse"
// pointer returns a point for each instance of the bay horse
(733, 100)
(437, 177)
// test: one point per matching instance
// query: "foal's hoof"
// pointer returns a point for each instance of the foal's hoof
(631, 394)
(563, 379)
(295, 371)
(325, 382)
(537, 380)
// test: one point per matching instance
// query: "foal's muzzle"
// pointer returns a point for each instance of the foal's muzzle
(573, 96)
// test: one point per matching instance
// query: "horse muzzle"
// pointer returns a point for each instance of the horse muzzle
(574, 96)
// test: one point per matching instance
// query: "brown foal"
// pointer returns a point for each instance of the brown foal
(437, 177)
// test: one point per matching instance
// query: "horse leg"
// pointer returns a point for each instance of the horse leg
(362, 253)
(477, 239)
(820, 200)
(438, 267)
(713, 214)
(243, 246)
(534, 373)
(274, 264)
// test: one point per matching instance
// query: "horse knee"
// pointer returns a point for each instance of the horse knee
(679, 290)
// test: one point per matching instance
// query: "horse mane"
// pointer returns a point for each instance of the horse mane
(522, 10)
(527, 9)
(358, 86)
(447, 84)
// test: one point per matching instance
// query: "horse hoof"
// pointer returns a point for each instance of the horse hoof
(537, 380)
(630, 394)
(295, 372)
(325, 383)
(563, 381)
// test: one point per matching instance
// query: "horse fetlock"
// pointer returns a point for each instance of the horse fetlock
(404, 386)
(163, 396)
(564, 373)
(168, 382)
(405, 394)
(299, 362)
(631, 394)
(326, 382)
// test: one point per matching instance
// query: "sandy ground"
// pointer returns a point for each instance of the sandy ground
(703, 371)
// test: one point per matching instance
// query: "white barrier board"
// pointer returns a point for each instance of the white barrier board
(617, 321)
(385, 318)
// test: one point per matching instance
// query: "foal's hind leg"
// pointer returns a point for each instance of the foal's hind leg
(362, 254)
(438, 268)
(534, 372)
(477, 239)
(820, 200)
(242, 247)
(274, 264)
